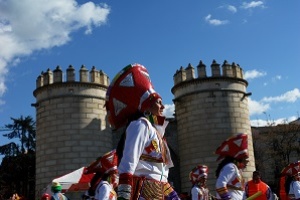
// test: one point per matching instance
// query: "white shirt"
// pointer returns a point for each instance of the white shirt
(104, 191)
(139, 135)
(295, 189)
(230, 175)
(198, 193)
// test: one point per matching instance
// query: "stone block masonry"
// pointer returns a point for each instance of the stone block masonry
(72, 130)
(208, 110)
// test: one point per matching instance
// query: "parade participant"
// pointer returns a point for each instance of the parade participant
(109, 179)
(255, 185)
(234, 155)
(198, 177)
(292, 183)
(105, 172)
(144, 155)
(56, 189)
(46, 196)
(94, 168)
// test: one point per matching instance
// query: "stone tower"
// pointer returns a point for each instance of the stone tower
(72, 129)
(208, 110)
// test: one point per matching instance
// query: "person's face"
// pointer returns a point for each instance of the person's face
(157, 108)
(203, 180)
(256, 176)
(243, 163)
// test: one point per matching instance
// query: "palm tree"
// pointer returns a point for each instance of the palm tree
(22, 129)
(17, 170)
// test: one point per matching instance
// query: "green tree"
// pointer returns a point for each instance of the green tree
(23, 129)
(17, 170)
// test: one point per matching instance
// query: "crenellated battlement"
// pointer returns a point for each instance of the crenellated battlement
(226, 70)
(85, 76)
(210, 106)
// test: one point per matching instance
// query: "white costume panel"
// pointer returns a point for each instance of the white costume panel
(105, 191)
(142, 138)
(295, 190)
(198, 193)
(230, 178)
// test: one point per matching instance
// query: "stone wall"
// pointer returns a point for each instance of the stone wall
(72, 129)
(208, 110)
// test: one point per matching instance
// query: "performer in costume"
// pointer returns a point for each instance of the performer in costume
(234, 152)
(198, 177)
(255, 185)
(106, 177)
(46, 196)
(56, 190)
(292, 183)
(144, 155)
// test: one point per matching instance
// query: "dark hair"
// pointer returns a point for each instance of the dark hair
(120, 147)
(287, 184)
(94, 182)
(224, 162)
(121, 143)
(256, 172)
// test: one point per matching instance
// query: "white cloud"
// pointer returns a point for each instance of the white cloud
(270, 122)
(3, 72)
(258, 122)
(256, 107)
(252, 4)
(252, 74)
(31, 25)
(290, 96)
(169, 110)
(278, 77)
(232, 9)
(215, 22)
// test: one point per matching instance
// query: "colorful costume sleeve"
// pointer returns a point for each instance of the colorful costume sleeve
(136, 138)
(227, 174)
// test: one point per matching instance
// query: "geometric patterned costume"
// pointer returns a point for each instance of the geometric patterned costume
(198, 177)
(105, 169)
(229, 183)
(144, 166)
(293, 171)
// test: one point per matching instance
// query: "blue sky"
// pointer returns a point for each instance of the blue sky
(261, 36)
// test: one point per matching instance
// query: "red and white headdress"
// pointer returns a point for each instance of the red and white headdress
(197, 173)
(235, 147)
(292, 169)
(131, 91)
(106, 164)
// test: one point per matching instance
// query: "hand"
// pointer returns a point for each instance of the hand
(225, 196)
